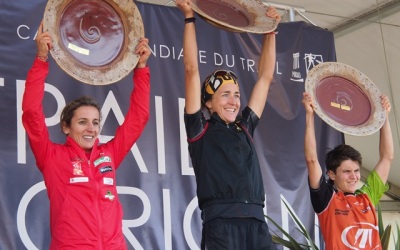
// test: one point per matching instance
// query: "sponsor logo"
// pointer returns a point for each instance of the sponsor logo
(108, 181)
(77, 167)
(106, 169)
(109, 195)
(296, 74)
(341, 212)
(78, 179)
(310, 61)
(102, 160)
(360, 236)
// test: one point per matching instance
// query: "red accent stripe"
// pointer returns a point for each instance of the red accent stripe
(200, 135)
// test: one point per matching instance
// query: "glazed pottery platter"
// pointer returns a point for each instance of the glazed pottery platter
(345, 98)
(235, 15)
(94, 40)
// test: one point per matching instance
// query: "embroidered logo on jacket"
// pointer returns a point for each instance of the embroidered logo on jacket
(106, 169)
(109, 195)
(78, 179)
(102, 160)
(108, 181)
(77, 167)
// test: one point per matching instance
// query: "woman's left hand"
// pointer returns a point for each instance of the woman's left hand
(272, 13)
(143, 50)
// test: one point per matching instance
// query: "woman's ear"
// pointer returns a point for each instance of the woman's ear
(65, 129)
(208, 104)
(331, 175)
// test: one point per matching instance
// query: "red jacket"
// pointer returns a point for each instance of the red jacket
(85, 212)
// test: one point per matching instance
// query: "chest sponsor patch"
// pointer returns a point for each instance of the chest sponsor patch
(102, 160)
(78, 179)
(108, 181)
(109, 195)
(77, 167)
(341, 212)
(106, 169)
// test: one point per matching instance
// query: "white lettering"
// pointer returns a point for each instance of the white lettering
(316, 229)
(180, 54)
(187, 229)
(21, 213)
(242, 60)
(50, 121)
(247, 64)
(218, 61)
(126, 224)
(296, 74)
(250, 64)
(232, 64)
(164, 49)
(166, 52)
(227, 60)
(277, 69)
(111, 104)
(185, 159)
(160, 135)
(202, 54)
(20, 29)
(167, 219)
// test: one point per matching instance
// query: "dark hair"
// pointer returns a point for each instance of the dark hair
(339, 154)
(69, 110)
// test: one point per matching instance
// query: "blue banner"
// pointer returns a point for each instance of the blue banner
(156, 182)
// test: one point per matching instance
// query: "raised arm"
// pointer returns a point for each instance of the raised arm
(33, 117)
(139, 106)
(190, 59)
(386, 151)
(310, 145)
(266, 67)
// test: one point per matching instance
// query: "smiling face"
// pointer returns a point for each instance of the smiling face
(347, 176)
(225, 102)
(84, 127)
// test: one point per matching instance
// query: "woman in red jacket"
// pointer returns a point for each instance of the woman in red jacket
(85, 212)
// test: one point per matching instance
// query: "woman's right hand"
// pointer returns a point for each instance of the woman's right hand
(308, 103)
(184, 6)
(44, 43)
(385, 103)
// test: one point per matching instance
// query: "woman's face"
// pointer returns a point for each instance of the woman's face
(347, 176)
(226, 102)
(85, 126)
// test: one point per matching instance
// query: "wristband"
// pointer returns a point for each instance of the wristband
(190, 20)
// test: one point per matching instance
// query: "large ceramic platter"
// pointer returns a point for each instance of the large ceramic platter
(345, 98)
(236, 15)
(94, 40)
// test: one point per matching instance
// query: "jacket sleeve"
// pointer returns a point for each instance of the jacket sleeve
(33, 117)
(136, 118)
